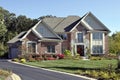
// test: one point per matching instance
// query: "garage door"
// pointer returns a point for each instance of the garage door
(14, 52)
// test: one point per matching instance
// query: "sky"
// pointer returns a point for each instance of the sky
(107, 11)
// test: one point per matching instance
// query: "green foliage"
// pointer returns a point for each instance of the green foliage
(3, 29)
(114, 43)
(15, 59)
(118, 64)
(2, 50)
(11, 25)
(92, 68)
(77, 57)
(2, 53)
(95, 58)
(22, 60)
(67, 53)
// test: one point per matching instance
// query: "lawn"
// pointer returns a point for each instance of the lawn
(72, 66)
(103, 69)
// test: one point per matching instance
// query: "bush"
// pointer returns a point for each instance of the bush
(31, 59)
(67, 53)
(118, 64)
(60, 56)
(110, 56)
(95, 58)
(15, 59)
(77, 57)
(22, 60)
(2, 52)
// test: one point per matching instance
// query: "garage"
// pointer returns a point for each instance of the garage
(14, 52)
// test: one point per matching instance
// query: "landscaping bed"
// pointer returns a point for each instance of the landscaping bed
(99, 67)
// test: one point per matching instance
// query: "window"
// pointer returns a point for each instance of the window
(80, 37)
(97, 35)
(32, 47)
(63, 36)
(97, 49)
(51, 48)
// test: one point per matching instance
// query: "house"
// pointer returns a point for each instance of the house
(56, 34)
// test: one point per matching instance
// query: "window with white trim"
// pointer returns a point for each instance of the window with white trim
(51, 48)
(80, 37)
(97, 35)
(31, 47)
(97, 49)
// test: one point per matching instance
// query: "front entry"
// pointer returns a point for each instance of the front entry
(80, 50)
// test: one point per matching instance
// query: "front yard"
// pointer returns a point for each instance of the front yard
(93, 68)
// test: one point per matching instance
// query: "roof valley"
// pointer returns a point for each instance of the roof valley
(59, 23)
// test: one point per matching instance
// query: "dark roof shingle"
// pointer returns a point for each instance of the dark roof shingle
(17, 38)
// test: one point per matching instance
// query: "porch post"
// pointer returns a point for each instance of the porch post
(90, 42)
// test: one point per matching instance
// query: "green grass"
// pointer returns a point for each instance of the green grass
(74, 65)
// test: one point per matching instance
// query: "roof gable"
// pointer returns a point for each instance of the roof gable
(92, 23)
(37, 31)
(44, 31)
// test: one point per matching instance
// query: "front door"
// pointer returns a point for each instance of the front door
(80, 50)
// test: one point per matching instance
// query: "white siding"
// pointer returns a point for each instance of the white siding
(44, 31)
(100, 42)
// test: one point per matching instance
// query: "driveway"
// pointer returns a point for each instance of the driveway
(29, 73)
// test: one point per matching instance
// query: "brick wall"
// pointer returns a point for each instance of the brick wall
(42, 46)
(106, 44)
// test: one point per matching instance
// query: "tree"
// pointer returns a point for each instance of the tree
(114, 43)
(3, 29)
(47, 16)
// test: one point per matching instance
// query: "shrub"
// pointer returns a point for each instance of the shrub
(110, 56)
(2, 52)
(67, 53)
(95, 58)
(31, 59)
(77, 57)
(118, 64)
(94, 73)
(60, 56)
(15, 59)
(22, 60)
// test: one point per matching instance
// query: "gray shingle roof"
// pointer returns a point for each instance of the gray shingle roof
(53, 21)
(61, 24)
(17, 38)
